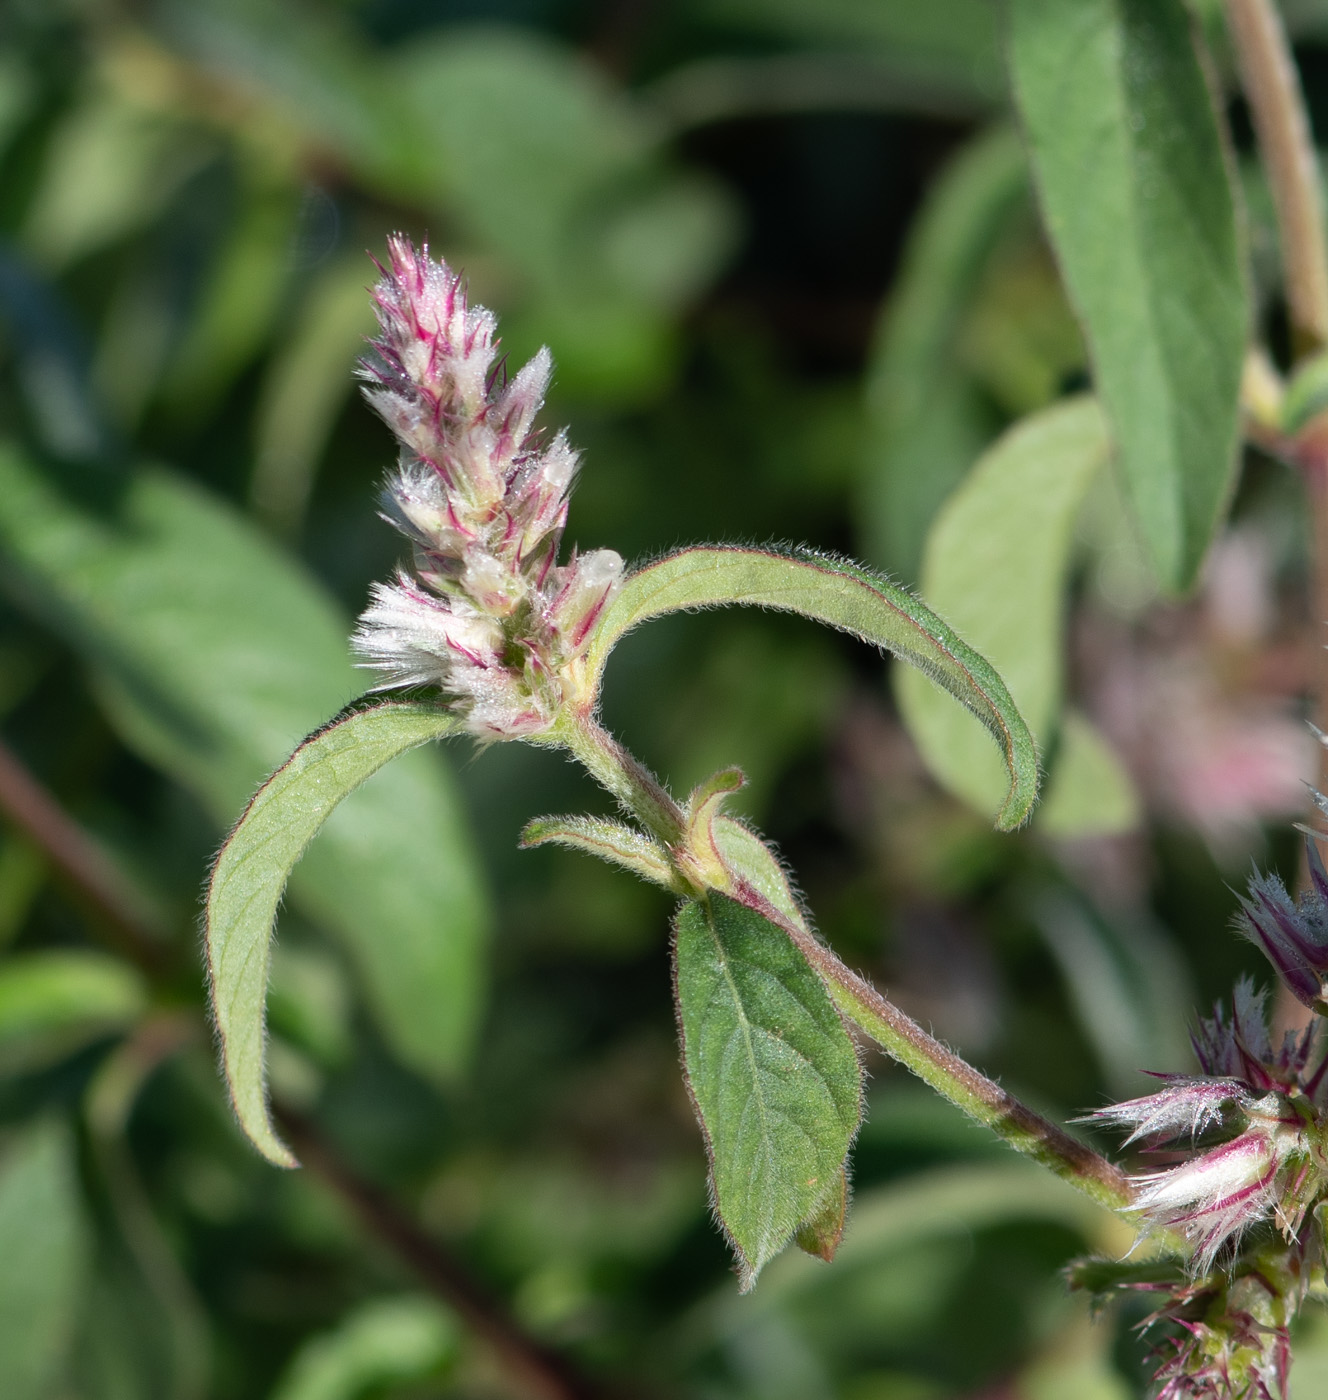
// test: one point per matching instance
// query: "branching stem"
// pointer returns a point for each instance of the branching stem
(636, 788)
(1277, 107)
(898, 1034)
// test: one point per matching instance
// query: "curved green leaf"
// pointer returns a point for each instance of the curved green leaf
(750, 860)
(841, 595)
(996, 564)
(214, 654)
(251, 872)
(1130, 165)
(772, 1071)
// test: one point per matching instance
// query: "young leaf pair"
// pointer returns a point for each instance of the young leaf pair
(770, 1064)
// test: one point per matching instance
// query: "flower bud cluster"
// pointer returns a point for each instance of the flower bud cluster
(1230, 1332)
(1248, 1133)
(1243, 1173)
(1292, 933)
(487, 613)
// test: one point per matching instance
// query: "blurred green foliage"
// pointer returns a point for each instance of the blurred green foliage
(787, 258)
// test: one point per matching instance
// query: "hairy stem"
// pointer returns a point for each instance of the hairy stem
(1277, 107)
(965, 1087)
(636, 788)
(901, 1037)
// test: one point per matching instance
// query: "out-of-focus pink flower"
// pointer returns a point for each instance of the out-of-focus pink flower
(487, 613)
(1211, 734)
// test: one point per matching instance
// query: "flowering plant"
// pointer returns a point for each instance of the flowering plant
(492, 631)
(513, 642)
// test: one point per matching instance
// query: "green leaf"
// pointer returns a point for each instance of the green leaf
(750, 860)
(609, 840)
(387, 1340)
(996, 565)
(251, 872)
(932, 53)
(214, 654)
(112, 164)
(1127, 981)
(240, 299)
(51, 1003)
(44, 1249)
(1136, 193)
(561, 173)
(1089, 791)
(772, 1071)
(926, 425)
(889, 1220)
(841, 595)
(311, 377)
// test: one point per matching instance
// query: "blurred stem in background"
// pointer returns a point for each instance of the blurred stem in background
(1277, 106)
(95, 881)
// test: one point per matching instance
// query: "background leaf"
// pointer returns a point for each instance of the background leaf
(54, 1002)
(44, 1249)
(385, 1341)
(1089, 790)
(772, 1071)
(215, 656)
(1137, 197)
(927, 421)
(997, 563)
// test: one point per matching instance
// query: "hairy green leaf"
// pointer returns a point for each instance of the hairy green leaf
(53, 1002)
(44, 1249)
(214, 655)
(609, 840)
(996, 565)
(841, 595)
(1130, 165)
(772, 1071)
(750, 860)
(251, 872)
